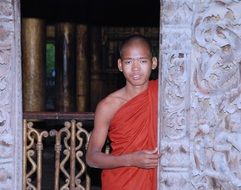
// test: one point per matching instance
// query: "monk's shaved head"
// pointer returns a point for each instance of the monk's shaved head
(135, 39)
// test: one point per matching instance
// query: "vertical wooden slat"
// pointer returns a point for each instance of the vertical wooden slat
(57, 158)
(72, 155)
(39, 147)
(24, 153)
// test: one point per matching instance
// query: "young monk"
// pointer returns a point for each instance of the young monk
(129, 117)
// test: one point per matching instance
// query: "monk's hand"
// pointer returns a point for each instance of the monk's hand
(145, 158)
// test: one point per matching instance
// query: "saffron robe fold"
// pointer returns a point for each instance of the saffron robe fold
(133, 128)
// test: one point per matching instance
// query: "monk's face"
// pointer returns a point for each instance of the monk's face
(136, 63)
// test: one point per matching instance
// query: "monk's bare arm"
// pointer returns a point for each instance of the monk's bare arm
(96, 158)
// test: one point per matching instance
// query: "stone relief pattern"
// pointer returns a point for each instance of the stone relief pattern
(177, 12)
(6, 10)
(175, 50)
(216, 96)
(6, 133)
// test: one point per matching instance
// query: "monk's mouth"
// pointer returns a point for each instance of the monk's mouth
(136, 77)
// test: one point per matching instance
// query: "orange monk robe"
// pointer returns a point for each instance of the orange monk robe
(133, 128)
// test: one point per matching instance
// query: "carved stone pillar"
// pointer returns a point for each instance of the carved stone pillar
(96, 78)
(200, 95)
(10, 96)
(33, 48)
(65, 66)
(82, 68)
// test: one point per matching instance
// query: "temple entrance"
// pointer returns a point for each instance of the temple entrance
(75, 56)
(199, 119)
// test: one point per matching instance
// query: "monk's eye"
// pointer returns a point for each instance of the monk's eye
(143, 61)
(127, 62)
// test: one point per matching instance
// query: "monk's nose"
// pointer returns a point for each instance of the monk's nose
(136, 64)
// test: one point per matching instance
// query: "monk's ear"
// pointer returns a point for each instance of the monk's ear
(154, 63)
(120, 65)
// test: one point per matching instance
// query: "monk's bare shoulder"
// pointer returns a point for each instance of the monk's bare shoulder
(108, 106)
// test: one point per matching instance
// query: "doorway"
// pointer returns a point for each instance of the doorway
(111, 21)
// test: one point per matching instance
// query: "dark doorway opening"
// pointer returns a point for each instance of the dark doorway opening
(116, 19)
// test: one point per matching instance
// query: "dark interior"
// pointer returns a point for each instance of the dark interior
(96, 12)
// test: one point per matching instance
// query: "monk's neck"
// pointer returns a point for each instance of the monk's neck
(132, 91)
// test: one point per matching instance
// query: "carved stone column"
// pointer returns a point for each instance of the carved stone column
(65, 66)
(33, 46)
(200, 95)
(82, 68)
(175, 52)
(10, 96)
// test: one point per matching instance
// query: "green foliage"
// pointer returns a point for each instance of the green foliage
(50, 57)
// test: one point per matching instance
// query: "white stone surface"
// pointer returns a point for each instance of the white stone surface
(10, 97)
(200, 101)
